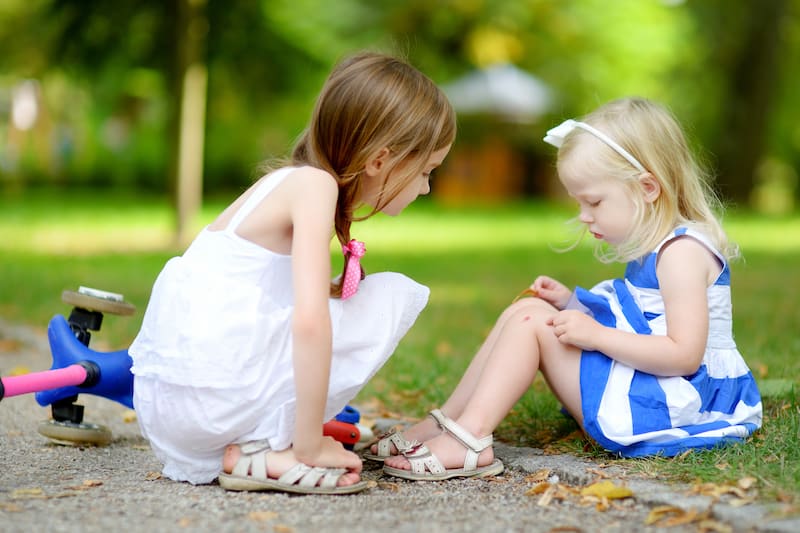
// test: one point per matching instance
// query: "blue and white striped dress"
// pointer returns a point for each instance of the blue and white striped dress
(633, 413)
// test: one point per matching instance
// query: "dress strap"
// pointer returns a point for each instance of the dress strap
(266, 186)
(698, 236)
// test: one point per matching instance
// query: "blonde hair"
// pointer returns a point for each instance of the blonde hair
(650, 133)
(372, 101)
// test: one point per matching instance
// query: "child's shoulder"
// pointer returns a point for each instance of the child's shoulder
(308, 176)
(306, 184)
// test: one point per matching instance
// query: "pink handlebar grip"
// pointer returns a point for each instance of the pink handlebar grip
(41, 381)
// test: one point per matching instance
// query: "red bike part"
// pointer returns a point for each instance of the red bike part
(344, 432)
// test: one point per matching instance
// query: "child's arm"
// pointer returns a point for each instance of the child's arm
(312, 202)
(685, 270)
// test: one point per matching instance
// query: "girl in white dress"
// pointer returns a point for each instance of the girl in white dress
(247, 347)
(646, 364)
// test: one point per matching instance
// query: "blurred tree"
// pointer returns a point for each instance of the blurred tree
(744, 40)
(111, 71)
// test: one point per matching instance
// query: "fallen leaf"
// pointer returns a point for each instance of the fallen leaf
(92, 482)
(598, 473)
(746, 482)
(539, 476)
(547, 497)
(185, 522)
(394, 487)
(27, 493)
(671, 516)
(19, 371)
(660, 512)
(282, 528)
(129, 416)
(10, 508)
(705, 526)
(152, 476)
(262, 516)
(538, 489)
(607, 489)
(9, 345)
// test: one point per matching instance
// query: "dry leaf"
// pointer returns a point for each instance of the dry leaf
(27, 493)
(539, 476)
(598, 473)
(661, 512)
(129, 416)
(262, 516)
(394, 487)
(538, 489)
(10, 508)
(92, 482)
(282, 528)
(19, 371)
(712, 525)
(607, 489)
(547, 497)
(9, 345)
(152, 476)
(670, 516)
(185, 522)
(747, 482)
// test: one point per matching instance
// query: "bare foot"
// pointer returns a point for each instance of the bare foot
(278, 463)
(448, 450)
(423, 430)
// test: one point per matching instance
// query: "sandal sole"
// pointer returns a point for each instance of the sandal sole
(492, 469)
(376, 458)
(250, 484)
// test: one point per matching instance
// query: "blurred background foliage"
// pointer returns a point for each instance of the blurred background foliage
(91, 91)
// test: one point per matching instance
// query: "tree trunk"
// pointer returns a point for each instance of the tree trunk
(187, 128)
(750, 98)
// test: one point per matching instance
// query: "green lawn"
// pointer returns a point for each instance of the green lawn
(475, 260)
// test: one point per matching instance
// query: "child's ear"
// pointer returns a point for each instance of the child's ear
(651, 188)
(376, 162)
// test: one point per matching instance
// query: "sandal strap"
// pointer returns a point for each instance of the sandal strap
(253, 459)
(307, 476)
(473, 444)
(439, 416)
(421, 459)
(396, 438)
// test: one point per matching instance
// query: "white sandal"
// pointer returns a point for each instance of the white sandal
(250, 473)
(426, 466)
(397, 439)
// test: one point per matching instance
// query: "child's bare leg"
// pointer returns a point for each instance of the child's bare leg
(278, 463)
(428, 428)
(507, 372)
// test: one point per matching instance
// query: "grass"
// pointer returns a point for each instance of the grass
(474, 259)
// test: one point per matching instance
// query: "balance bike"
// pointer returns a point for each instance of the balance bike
(77, 369)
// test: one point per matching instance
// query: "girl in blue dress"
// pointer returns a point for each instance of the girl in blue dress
(646, 364)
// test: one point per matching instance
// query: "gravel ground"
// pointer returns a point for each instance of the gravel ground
(48, 487)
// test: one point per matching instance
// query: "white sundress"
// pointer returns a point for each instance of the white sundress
(633, 413)
(212, 362)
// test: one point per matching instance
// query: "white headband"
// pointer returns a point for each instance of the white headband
(555, 136)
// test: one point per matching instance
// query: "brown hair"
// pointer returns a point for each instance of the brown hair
(372, 101)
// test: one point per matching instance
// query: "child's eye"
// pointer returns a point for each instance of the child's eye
(594, 204)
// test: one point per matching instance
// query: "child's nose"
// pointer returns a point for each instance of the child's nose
(584, 217)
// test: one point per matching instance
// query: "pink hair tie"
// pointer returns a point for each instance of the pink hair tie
(353, 252)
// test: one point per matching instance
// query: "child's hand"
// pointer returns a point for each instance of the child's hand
(552, 291)
(333, 454)
(575, 328)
